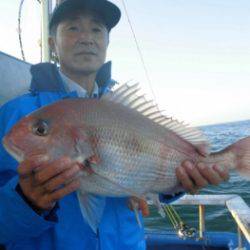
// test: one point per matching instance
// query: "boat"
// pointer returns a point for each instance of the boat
(15, 81)
(239, 210)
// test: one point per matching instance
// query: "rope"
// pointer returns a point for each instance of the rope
(183, 230)
(19, 27)
(139, 50)
(173, 216)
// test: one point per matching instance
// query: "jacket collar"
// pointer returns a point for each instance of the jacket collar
(46, 78)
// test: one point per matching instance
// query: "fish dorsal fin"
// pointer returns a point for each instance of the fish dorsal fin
(129, 96)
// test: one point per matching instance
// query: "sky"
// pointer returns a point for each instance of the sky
(197, 53)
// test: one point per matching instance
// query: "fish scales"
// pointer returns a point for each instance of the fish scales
(129, 152)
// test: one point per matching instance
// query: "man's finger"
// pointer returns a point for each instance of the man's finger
(194, 174)
(184, 179)
(67, 189)
(209, 174)
(143, 206)
(62, 178)
(223, 172)
(138, 204)
(29, 165)
(203, 150)
(51, 170)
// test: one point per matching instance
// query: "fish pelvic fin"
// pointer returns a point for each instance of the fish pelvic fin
(135, 207)
(241, 152)
(92, 208)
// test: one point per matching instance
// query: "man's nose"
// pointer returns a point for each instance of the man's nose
(86, 37)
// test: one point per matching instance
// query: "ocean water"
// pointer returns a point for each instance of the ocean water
(217, 217)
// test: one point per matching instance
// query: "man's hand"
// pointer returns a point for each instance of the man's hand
(44, 183)
(194, 177)
(140, 204)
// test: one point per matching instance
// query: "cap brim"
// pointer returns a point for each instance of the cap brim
(108, 11)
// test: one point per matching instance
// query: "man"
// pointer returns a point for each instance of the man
(38, 205)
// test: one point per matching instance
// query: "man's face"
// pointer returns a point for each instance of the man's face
(81, 43)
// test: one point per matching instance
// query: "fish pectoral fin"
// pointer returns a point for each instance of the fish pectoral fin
(84, 141)
(92, 208)
(156, 201)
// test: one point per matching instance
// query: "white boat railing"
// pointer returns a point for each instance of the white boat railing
(239, 210)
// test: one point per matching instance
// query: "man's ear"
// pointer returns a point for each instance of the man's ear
(52, 44)
(107, 40)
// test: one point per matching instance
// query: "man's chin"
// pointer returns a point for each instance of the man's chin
(86, 71)
(86, 68)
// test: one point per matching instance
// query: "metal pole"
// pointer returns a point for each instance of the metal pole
(46, 9)
(240, 240)
(201, 221)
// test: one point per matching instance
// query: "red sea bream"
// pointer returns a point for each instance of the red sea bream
(135, 148)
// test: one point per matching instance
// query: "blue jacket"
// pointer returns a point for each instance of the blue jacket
(64, 228)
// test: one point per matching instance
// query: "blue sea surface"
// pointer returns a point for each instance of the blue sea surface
(217, 217)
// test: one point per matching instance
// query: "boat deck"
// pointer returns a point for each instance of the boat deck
(203, 239)
(211, 241)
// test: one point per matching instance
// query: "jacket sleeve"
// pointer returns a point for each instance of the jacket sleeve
(169, 198)
(17, 219)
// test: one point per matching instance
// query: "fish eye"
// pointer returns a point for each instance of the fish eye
(41, 128)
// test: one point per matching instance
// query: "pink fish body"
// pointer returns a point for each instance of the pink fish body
(136, 147)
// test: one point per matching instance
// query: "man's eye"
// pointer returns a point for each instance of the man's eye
(96, 30)
(73, 28)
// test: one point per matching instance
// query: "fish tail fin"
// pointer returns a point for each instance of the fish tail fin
(241, 151)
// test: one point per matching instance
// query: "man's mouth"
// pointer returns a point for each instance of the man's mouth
(87, 53)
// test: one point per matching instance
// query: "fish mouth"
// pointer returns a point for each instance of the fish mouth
(13, 150)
